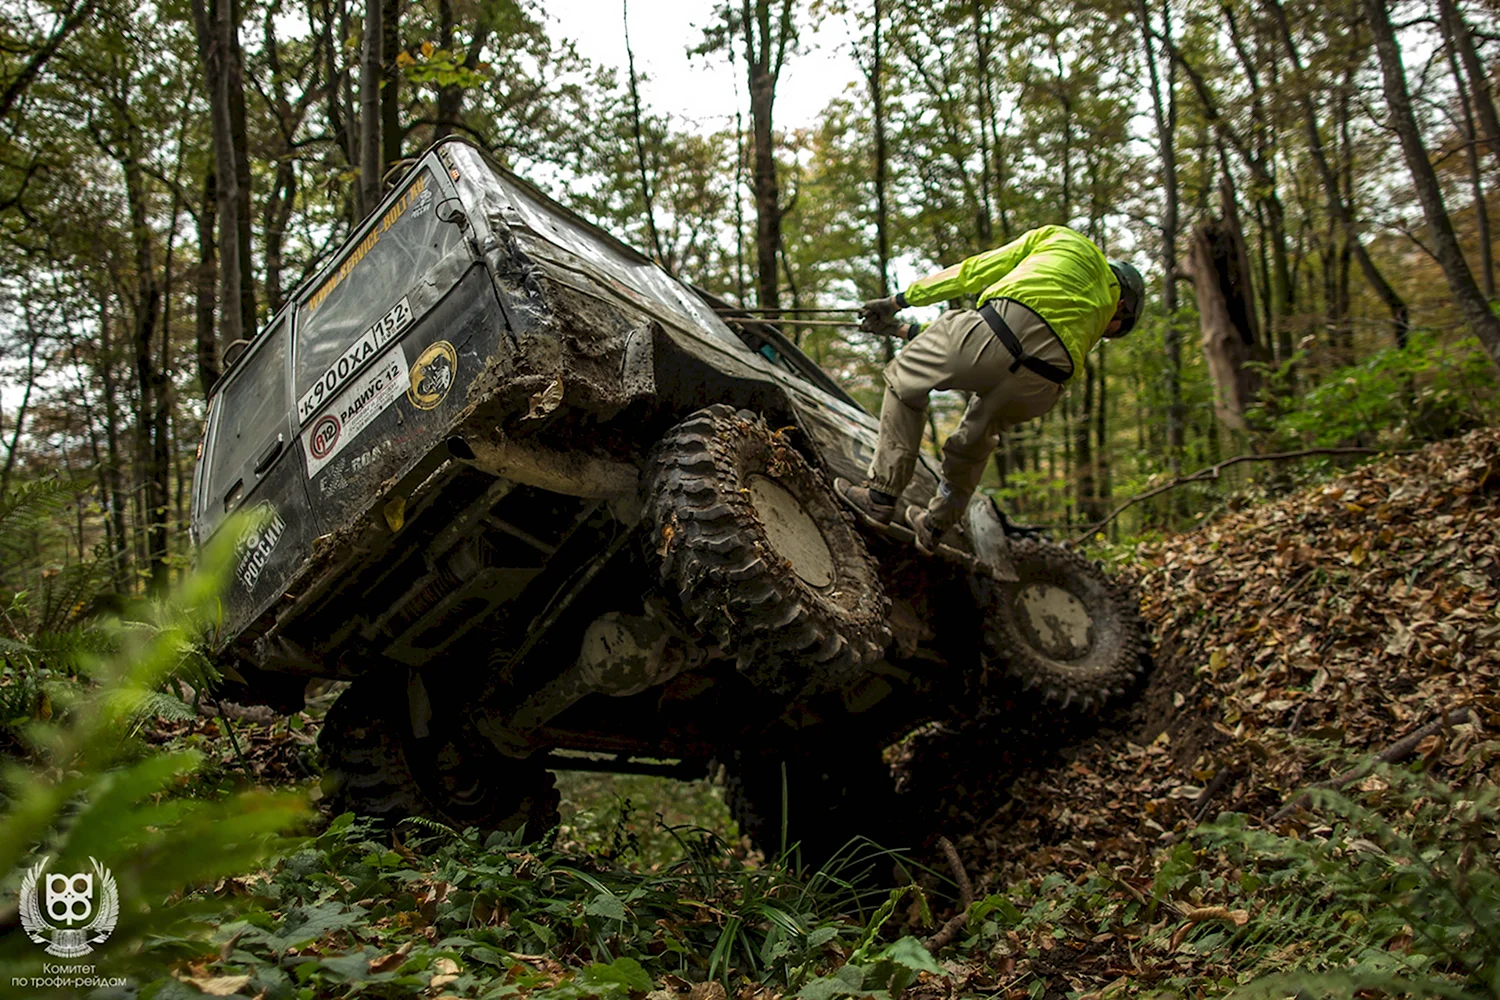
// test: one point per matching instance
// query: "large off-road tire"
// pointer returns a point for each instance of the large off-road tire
(765, 560)
(1065, 630)
(374, 766)
(833, 798)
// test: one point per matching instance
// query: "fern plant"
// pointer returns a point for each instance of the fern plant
(53, 626)
(1401, 894)
(46, 631)
(90, 794)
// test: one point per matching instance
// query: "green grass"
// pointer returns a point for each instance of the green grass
(629, 816)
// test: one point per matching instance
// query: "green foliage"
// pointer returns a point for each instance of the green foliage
(46, 633)
(54, 633)
(1400, 895)
(368, 912)
(1395, 891)
(57, 600)
(441, 68)
(91, 794)
(1422, 393)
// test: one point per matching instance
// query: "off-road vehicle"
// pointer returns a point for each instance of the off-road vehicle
(547, 506)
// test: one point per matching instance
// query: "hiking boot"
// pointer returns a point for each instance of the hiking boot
(878, 507)
(927, 528)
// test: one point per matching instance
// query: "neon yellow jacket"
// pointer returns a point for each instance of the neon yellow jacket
(1058, 273)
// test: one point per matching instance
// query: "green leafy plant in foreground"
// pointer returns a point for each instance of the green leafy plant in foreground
(92, 793)
(46, 632)
(1394, 890)
(356, 911)
(1401, 894)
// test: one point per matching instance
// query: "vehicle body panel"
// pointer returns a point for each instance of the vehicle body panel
(474, 324)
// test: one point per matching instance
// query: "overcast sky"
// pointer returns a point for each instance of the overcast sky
(702, 90)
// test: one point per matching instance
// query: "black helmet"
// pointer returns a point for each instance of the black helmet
(1132, 293)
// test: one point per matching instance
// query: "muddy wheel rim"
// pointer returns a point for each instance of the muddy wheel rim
(792, 532)
(1054, 621)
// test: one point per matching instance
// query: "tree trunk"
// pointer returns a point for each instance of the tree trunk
(390, 91)
(877, 108)
(208, 276)
(450, 100)
(765, 53)
(218, 50)
(33, 341)
(277, 215)
(1479, 80)
(1466, 293)
(767, 191)
(1471, 157)
(1086, 496)
(370, 145)
(333, 77)
(115, 499)
(1103, 483)
(1164, 107)
(1400, 320)
(741, 282)
(984, 227)
(150, 388)
(882, 209)
(162, 404)
(1219, 265)
(640, 142)
(229, 19)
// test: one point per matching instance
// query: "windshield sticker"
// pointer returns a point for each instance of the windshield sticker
(432, 375)
(255, 548)
(367, 398)
(422, 204)
(391, 217)
(352, 360)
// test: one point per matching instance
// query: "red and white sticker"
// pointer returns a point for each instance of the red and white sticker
(354, 409)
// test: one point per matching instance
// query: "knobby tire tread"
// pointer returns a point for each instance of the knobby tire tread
(786, 635)
(1118, 654)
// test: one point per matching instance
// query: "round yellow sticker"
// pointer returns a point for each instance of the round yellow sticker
(432, 376)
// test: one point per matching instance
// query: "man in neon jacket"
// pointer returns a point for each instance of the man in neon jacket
(1044, 300)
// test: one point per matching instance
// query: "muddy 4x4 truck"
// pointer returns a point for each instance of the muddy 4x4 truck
(548, 507)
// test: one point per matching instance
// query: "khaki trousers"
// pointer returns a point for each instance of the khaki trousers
(960, 351)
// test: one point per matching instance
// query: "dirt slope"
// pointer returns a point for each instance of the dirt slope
(1292, 639)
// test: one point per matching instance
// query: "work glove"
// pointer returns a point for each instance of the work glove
(877, 313)
(878, 316)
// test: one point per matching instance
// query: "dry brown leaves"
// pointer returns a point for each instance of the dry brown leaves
(1294, 638)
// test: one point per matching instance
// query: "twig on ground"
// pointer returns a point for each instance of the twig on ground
(1287, 594)
(949, 930)
(960, 875)
(1213, 472)
(1221, 778)
(1225, 775)
(1393, 754)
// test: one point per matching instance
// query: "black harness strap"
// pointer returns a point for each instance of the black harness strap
(1007, 336)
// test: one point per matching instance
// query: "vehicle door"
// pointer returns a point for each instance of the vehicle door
(387, 340)
(251, 466)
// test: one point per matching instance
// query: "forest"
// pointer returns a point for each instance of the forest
(1292, 458)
